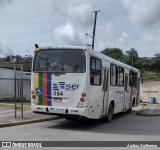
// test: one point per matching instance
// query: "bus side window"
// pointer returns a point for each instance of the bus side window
(120, 76)
(113, 75)
(95, 71)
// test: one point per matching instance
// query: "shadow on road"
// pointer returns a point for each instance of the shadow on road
(122, 123)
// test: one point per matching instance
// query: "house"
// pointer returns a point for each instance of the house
(150, 89)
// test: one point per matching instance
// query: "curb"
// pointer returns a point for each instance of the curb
(147, 115)
(2, 125)
(142, 103)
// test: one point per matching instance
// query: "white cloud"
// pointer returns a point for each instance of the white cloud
(64, 31)
(123, 39)
(114, 29)
(80, 19)
(149, 43)
(67, 34)
(116, 33)
(5, 3)
(5, 50)
(143, 12)
(120, 23)
(81, 15)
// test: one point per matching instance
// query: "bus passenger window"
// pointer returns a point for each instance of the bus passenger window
(114, 72)
(95, 71)
(133, 79)
(120, 77)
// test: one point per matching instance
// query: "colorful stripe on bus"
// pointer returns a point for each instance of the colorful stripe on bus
(42, 86)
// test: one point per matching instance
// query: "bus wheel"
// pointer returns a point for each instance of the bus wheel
(71, 118)
(129, 110)
(110, 113)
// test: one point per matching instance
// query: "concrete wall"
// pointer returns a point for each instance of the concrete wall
(7, 84)
(150, 88)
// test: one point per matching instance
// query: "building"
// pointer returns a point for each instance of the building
(150, 89)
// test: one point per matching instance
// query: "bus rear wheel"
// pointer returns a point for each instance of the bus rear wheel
(130, 109)
(110, 113)
(71, 118)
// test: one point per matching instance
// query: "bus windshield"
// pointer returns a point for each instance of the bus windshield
(65, 61)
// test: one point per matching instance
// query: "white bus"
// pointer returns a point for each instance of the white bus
(77, 82)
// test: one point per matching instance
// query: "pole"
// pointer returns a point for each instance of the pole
(21, 91)
(18, 87)
(94, 28)
(15, 91)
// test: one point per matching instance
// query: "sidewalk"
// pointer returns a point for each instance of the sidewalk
(7, 115)
(149, 109)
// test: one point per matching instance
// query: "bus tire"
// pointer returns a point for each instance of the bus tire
(70, 118)
(130, 109)
(110, 112)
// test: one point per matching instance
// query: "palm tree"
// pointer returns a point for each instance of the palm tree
(132, 55)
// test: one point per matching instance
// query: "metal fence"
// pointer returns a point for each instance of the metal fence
(14, 83)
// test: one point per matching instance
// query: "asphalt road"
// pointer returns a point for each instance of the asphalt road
(124, 127)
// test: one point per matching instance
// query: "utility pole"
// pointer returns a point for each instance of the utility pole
(94, 28)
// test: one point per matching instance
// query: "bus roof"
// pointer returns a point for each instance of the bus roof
(111, 60)
(61, 47)
(94, 53)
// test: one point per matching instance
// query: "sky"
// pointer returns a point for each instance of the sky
(123, 24)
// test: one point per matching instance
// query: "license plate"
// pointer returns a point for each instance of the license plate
(57, 99)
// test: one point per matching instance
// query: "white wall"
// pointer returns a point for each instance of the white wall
(150, 88)
(7, 84)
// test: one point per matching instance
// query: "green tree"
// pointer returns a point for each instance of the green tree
(148, 66)
(145, 65)
(156, 62)
(8, 59)
(132, 56)
(115, 53)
